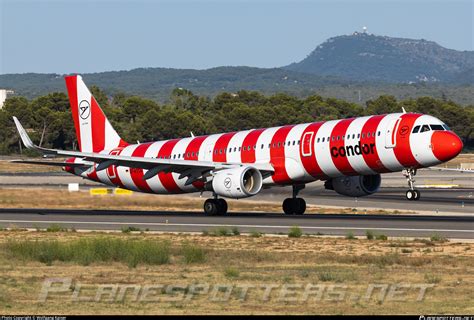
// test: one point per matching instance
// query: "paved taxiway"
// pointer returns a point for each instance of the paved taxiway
(459, 227)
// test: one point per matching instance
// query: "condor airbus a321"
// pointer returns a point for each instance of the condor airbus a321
(349, 155)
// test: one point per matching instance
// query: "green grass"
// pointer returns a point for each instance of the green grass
(221, 232)
(231, 272)
(56, 228)
(235, 231)
(370, 235)
(193, 254)
(295, 232)
(91, 250)
(350, 236)
(438, 238)
(255, 234)
(432, 278)
(129, 229)
(381, 237)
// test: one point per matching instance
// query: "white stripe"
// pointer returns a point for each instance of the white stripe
(155, 183)
(357, 161)
(236, 142)
(85, 125)
(124, 173)
(323, 150)
(386, 155)
(293, 165)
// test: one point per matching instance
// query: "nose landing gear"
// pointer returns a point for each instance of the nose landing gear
(295, 205)
(412, 193)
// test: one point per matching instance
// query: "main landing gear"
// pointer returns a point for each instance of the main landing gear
(215, 206)
(295, 205)
(412, 193)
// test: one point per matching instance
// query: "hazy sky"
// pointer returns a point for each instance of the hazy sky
(92, 36)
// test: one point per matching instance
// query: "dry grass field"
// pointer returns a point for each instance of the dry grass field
(62, 199)
(236, 261)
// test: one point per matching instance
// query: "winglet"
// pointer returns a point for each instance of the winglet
(23, 135)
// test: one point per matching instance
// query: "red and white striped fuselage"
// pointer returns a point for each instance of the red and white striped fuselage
(298, 153)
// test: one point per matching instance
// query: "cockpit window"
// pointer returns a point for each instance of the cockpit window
(436, 127)
(446, 127)
(416, 129)
(425, 128)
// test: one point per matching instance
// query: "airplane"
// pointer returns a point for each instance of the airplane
(349, 155)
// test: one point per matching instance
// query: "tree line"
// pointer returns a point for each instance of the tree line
(49, 121)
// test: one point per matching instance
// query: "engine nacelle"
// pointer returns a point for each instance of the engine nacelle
(241, 182)
(355, 186)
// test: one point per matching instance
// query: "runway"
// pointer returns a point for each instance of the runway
(458, 227)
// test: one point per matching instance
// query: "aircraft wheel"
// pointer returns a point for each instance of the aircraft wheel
(288, 206)
(222, 206)
(410, 195)
(211, 207)
(417, 194)
(300, 207)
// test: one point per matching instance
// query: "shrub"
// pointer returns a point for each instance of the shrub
(350, 236)
(370, 235)
(129, 229)
(255, 234)
(55, 228)
(295, 232)
(231, 272)
(193, 253)
(438, 238)
(381, 237)
(235, 231)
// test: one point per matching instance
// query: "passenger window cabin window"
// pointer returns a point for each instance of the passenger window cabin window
(353, 136)
(293, 142)
(378, 133)
(416, 129)
(425, 128)
(262, 146)
(298, 142)
(358, 136)
(239, 149)
(363, 135)
(318, 140)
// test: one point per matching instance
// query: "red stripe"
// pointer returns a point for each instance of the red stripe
(338, 133)
(309, 162)
(167, 179)
(97, 127)
(248, 155)
(219, 154)
(71, 85)
(372, 159)
(191, 153)
(137, 173)
(277, 155)
(402, 148)
(115, 181)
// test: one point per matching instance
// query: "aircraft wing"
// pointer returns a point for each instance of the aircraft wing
(192, 169)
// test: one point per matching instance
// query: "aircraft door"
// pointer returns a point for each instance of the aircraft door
(391, 133)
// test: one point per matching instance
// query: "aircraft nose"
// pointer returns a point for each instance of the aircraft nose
(446, 145)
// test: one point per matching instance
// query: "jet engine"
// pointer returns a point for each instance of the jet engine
(355, 186)
(241, 182)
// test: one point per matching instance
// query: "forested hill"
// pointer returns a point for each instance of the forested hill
(368, 57)
(158, 83)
